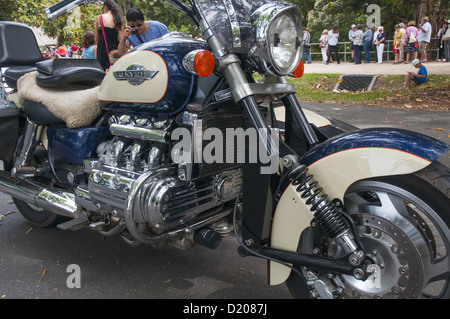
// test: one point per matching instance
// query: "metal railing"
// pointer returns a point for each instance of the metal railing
(345, 50)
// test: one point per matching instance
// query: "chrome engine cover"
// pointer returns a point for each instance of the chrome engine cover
(163, 201)
(134, 179)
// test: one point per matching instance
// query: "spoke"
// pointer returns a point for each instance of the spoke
(439, 270)
(378, 203)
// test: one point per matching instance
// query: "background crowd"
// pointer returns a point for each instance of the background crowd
(111, 36)
(410, 41)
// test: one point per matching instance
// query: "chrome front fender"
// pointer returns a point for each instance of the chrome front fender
(337, 164)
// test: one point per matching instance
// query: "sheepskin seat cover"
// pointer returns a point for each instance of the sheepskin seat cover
(75, 105)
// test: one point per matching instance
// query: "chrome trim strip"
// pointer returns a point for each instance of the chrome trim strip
(139, 133)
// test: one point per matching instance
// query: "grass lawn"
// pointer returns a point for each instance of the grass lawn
(388, 91)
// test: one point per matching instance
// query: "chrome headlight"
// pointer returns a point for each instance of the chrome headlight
(277, 32)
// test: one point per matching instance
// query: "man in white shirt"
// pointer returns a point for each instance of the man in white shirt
(350, 37)
(424, 38)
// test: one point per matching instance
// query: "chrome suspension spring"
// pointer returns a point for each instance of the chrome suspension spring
(324, 210)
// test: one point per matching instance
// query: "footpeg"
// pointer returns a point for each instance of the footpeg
(29, 171)
(75, 224)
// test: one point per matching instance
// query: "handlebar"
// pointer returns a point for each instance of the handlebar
(63, 7)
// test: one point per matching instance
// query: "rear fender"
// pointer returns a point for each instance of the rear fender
(338, 163)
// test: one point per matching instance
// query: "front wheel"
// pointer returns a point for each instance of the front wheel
(404, 226)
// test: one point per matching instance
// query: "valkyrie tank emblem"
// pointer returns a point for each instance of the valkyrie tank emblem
(135, 74)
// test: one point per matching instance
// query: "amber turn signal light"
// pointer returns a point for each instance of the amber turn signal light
(298, 72)
(199, 62)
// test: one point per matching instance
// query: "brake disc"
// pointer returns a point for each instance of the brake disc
(395, 262)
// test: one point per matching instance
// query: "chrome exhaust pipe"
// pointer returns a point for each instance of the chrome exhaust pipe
(51, 200)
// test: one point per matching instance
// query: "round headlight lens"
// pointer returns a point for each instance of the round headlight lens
(283, 44)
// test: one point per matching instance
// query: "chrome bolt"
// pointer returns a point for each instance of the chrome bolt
(395, 249)
(358, 273)
(396, 290)
(403, 271)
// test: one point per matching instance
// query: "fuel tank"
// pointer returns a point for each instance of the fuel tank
(151, 78)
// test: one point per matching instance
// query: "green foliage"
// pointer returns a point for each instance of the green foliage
(68, 29)
(317, 15)
(163, 12)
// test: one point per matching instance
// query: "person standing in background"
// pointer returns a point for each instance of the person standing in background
(374, 42)
(424, 38)
(358, 40)
(411, 41)
(381, 39)
(306, 43)
(402, 42)
(323, 43)
(396, 43)
(333, 38)
(440, 34)
(367, 43)
(108, 31)
(446, 40)
(350, 37)
(90, 48)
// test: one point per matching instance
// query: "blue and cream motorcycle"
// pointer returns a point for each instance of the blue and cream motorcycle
(145, 152)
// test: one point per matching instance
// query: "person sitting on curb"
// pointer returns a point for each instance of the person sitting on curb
(419, 77)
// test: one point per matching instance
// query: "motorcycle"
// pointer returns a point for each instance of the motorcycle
(143, 152)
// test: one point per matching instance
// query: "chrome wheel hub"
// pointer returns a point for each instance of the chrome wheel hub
(395, 267)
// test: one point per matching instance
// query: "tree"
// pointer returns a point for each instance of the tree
(162, 11)
(68, 29)
(317, 15)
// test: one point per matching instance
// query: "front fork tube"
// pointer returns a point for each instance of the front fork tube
(258, 188)
(257, 185)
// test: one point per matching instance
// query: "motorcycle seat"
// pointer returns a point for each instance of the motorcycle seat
(38, 113)
(13, 74)
(73, 104)
(59, 72)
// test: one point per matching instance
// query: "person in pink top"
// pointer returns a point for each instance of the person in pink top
(411, 41)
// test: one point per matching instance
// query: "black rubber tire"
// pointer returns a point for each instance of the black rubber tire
(39, 218)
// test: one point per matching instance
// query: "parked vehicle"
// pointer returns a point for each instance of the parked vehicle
(179, 144)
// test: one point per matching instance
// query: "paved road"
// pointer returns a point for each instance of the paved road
(110, 268)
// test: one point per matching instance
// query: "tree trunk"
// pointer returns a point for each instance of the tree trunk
(435, 11)
(126, 5)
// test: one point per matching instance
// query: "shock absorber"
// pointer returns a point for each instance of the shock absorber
(325, 212)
